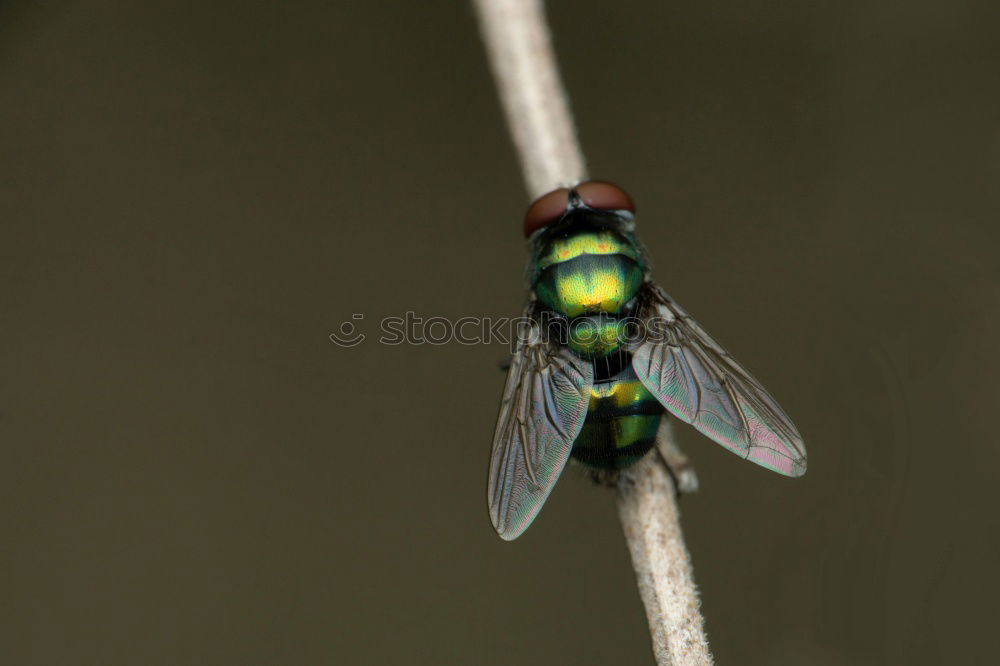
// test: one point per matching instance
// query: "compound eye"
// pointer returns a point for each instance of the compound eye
(604, 196)
(545, 210)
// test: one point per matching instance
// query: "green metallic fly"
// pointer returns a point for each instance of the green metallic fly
(605, 356)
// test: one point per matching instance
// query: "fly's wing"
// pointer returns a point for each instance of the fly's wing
(544, 405)
(700, 383)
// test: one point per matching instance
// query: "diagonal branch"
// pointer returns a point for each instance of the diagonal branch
(662, 565)
(520, 52)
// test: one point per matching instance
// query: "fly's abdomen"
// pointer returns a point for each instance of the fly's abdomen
(621, 424)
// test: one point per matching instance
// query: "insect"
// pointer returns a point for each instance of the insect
(604, 356)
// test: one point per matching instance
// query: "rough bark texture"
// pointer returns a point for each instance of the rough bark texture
(648, 510)
(524, 65)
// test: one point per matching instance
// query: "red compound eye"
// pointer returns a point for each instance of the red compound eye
(550, 207)
(547, 209)
(604, 196)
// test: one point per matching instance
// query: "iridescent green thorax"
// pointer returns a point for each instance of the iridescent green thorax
(621, 424)
(590, 276)
(589, 284)
(594, 241)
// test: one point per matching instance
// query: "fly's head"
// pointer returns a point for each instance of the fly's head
(591, 203)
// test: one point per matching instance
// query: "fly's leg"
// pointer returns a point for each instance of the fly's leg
(680, 468)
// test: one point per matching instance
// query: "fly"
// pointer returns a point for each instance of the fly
(608, 355)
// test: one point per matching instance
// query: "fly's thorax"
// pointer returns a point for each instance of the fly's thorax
(588, 272)
(589, 277)
(580, 241)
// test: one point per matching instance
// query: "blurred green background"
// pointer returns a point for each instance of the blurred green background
(194, 195)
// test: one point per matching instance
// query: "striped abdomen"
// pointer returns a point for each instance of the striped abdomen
(621, 423)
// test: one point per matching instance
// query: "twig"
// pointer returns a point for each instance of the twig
(520, 53)
(662, 565)
(524, 66)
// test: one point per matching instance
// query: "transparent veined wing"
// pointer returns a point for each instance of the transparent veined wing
(543, 408)
(700, 383)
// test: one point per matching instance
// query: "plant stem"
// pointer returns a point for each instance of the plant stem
(520, 52)
(524, 65)
(662, 565)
